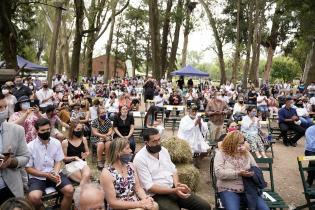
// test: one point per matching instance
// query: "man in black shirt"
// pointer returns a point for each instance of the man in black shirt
(252, 97)
(20, 90)
(180, 82)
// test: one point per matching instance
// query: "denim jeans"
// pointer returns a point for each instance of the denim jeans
(233, 201)
(306, 122)
(132, 144)
(263, 108)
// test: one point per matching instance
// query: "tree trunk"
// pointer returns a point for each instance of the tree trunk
(268, 65)
(248, 45)
(54, 43)
(8, 34)
(134, 52)
(309, 70)
(272, 40)
(237, 45)
(59, 60)
(148, 58)
(76, 52)
(254, 71)
(90, 42)
(218, 41)
(155, 38)
(65, 57)
(186, 35)
(179, 21)
(166, 30)
(109, 42)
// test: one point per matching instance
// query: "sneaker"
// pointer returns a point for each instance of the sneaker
(286, 144)
(293, 144)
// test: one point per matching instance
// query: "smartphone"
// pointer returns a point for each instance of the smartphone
(34, 103)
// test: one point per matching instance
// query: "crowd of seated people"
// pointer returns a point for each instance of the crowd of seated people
(55, 131)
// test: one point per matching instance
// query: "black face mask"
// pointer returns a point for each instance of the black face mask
(45, 86)
(44, 136)
(154, 149)
(241, 102)
(78, 134)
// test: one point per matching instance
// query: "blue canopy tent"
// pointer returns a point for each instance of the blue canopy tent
(190, 71)
(27, 65)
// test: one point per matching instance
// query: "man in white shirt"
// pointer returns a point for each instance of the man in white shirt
(44, 167)
(57, 81)
(45, 96)
(311, 90)
(193, 130)
(306, 120)
(159, 101)
(158, 176)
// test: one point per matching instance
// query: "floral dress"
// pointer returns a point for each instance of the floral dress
(29, 125)
(124, 187)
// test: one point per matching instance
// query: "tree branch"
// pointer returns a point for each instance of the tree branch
(110, 19)
(38, 2)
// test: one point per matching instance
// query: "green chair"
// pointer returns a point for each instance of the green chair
(309, 192)
(265, 164)
(172, 123)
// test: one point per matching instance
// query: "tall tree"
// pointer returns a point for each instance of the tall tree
(78, 33)
(109, 42)
(190, 6)
(218, 39)
(54, 42)
(236, 63)
(249, 40)
(165, 33)
(8, 33)
(154, 26)
(258, 27)
(178, 23)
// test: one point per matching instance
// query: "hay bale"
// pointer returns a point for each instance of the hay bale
(179, 150)
(189, 175)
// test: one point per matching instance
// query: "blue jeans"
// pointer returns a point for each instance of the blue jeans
(306, 121)
(132, 144)
(263, 108)
(232, 201)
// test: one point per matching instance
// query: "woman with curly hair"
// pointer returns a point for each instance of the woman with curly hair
(231, 163)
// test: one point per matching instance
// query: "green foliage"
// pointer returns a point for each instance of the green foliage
(285, 69)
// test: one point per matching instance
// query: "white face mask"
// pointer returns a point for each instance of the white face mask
(5, 91)
(25, 105)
